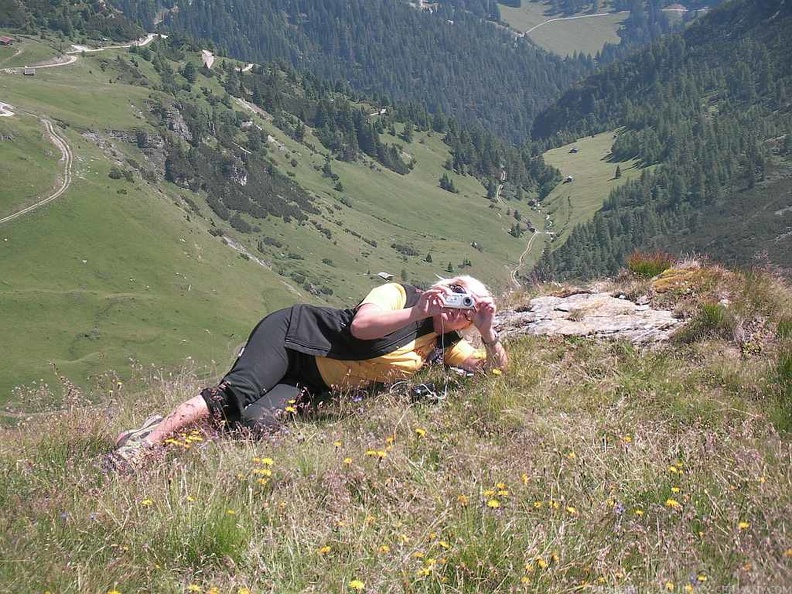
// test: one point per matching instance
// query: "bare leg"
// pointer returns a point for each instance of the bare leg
(187, 413)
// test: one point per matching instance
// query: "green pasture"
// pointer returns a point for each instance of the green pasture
(80, 94)
(593, 172)
(25, 51)
(585, 33)
(29, 162)
(99, 278)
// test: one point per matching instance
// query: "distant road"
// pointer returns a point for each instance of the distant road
(67, 157)
(584, 16)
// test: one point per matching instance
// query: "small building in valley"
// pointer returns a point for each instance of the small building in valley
(6, 40)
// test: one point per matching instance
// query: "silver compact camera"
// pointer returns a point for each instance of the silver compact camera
(459, 301)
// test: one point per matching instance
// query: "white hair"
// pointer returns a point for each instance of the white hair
(470, 284)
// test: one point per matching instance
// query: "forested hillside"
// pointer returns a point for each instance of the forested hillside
(711, 109)
(449, 60)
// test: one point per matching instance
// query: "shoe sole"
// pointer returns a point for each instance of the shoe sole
(146, 428)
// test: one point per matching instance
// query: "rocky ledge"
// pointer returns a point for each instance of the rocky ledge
(598, 315)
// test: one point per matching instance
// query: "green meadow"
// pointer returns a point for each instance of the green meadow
(594, 177)
(25, 51)
(29, 162)
(584, 33)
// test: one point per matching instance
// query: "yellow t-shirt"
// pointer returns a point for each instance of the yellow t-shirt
(396, 365)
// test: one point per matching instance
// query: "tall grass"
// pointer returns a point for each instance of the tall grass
(589, 466)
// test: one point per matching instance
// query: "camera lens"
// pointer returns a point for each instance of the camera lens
(467, 301)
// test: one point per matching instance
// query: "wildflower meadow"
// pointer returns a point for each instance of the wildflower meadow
(590, 466)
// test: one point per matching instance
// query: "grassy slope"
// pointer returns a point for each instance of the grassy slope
(590, 466)
(564, 37)
(99, 277)
(28, 162)
(25, 51)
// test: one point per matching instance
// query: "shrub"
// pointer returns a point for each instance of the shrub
(649, 265)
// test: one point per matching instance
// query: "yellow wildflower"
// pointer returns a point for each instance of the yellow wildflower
(675, 489)
(493, 503)
(325, 549)
(673, 470)
(463, 500)
(381, 453)
(572, 455)
(538, 504)
(669, 586)
(213, 590)
(371, 452)
(524, 478)
(113, 592)
(638, 512)
(263, 471)
(788, 553)
(420, 432)
(146, 502)
(347, 461)
(356, 585)
(243, 590)
(495, 371)
(701, 577)
(419, 554)
(688, 588)
(190, 498)
(501, 486)
(290, 409)
(338, 444)
(627, 439)
(489, 492)
(384, 549)
(744, 525)
(194, 588)
(672, 503)
(444, 544)
(572, 510)
(231, 512)
(541, 563)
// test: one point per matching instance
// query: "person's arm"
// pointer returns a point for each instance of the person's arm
(373, 321)
(483, 320)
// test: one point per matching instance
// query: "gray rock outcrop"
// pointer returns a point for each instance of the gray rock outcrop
(598, 315)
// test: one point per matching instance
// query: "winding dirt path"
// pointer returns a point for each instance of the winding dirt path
(67, 157)
(513, 272)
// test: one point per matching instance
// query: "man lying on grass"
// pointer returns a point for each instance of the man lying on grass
(296, 354)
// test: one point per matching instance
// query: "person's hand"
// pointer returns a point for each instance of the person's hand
(484, 315)
(430, 302)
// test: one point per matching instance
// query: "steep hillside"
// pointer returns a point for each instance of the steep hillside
(590, 465)
(711, 109)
